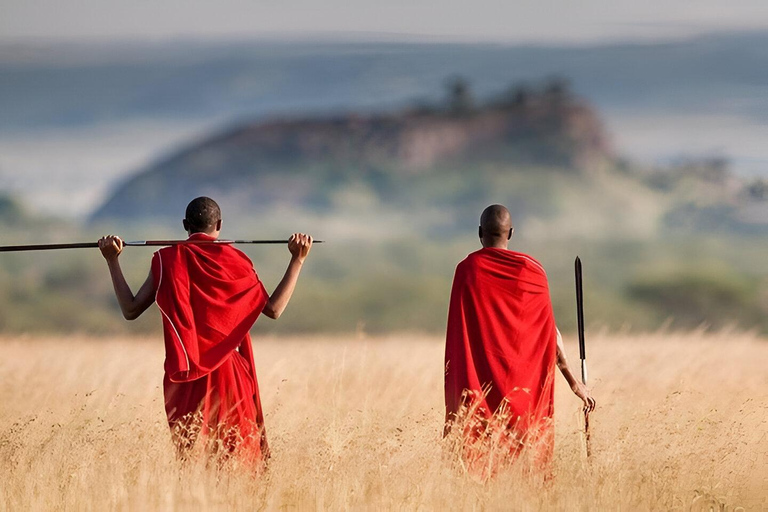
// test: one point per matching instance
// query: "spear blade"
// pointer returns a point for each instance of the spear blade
(582, 346)
(580, 319)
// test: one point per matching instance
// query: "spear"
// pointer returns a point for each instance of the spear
(139, 243)
(582, 349)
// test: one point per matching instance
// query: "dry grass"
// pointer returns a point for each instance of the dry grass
(355, 424)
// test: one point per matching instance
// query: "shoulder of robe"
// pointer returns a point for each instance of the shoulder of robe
(471, 258)
(465, 264)
(530, 262)
(241, 255)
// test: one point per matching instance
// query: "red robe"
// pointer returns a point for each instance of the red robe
(500, 352)
(210, 297)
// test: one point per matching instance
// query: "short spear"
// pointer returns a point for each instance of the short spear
(582, 349)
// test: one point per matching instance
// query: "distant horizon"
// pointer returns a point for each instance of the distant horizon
(363, 37)
(548, 22)
(80, 117)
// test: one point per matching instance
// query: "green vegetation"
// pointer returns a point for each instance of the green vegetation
(681, 246)
(404, 284)
(691, 300)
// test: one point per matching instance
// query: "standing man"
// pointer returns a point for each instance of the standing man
(501, 348)
(209, 296)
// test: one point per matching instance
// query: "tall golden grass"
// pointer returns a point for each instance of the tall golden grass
(682, 423)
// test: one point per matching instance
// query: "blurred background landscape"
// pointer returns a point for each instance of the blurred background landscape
(644, 157)
(632, 134)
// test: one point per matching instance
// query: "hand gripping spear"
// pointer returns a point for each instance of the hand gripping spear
(582, 349)
(142, 243)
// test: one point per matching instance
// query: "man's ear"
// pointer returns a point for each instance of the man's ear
(509, 235)
(186, 225)
(480, 231)
(218, 225)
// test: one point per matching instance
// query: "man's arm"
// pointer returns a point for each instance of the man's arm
(299, 244)
(576, 386)
(132, 306)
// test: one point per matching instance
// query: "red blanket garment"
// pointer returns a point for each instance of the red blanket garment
(209, 297)
(500, 348)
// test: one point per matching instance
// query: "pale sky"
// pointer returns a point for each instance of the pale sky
(555, 21)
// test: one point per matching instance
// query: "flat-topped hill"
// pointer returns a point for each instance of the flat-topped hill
(302, 162)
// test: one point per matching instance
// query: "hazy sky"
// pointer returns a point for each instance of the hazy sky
(481, 20)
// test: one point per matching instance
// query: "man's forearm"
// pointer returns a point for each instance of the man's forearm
(125, 297)
(576, 386)
(279, 299)
(562, 362)
(566, 371)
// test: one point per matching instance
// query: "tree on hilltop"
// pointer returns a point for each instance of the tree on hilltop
(459, 96)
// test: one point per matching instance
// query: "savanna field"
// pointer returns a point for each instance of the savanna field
(355, 423)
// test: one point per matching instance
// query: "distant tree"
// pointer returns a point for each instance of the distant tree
(557, 89)
(522, 95)
(459, 96)
(712, 168)
(10, 210)
(518, 95)
(758, 190)
(719, 165)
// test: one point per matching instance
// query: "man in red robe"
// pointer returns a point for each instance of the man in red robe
(209, 296)
(502, 345)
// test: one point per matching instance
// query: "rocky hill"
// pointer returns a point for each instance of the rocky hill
(431, 168)
(305, 161)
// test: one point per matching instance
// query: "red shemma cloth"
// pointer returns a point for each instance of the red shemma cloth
(210, 296)
(500, 350)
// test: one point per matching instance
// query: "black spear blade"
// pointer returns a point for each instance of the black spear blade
(580, 319)
(582, 349)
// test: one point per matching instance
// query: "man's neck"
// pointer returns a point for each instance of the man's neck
(495, 244)
(214, 234)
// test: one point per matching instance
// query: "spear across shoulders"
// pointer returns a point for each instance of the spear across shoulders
(139, 243)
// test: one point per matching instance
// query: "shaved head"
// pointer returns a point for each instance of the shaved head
(495, 226)
(202, 215)
(496, 220)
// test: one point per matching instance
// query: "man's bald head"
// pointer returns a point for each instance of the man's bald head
(495, 226)
(203, 216)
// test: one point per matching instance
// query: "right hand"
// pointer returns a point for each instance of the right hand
(300, 244)
(582, 392)
(111, 246)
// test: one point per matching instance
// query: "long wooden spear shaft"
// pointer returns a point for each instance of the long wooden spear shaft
(582, 348)
(141, 243)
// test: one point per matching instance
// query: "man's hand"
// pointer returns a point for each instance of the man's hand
(300, 244)
(582, 392)
(111, 246)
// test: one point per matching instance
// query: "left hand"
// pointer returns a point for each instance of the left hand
(581, 391)
(111, 246)
(300, 244)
